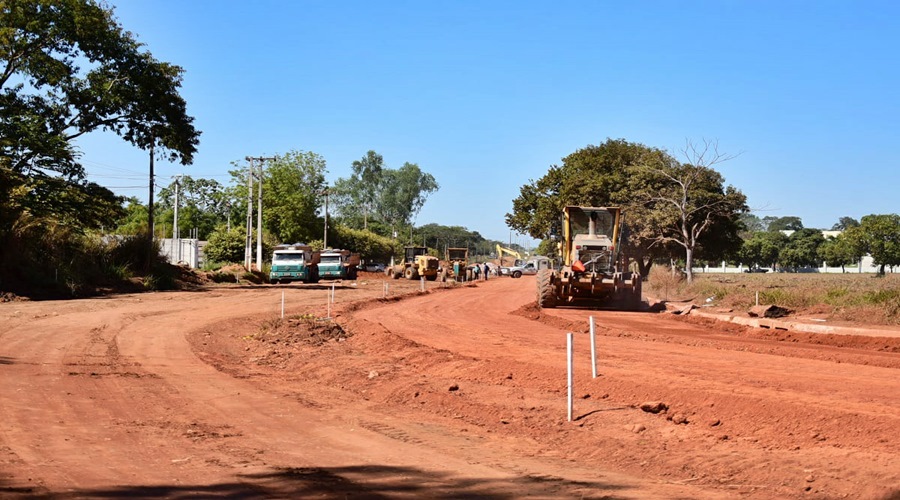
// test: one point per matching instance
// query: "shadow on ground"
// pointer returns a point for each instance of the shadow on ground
(369, 482)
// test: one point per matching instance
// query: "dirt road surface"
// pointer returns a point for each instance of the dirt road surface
(456, 392)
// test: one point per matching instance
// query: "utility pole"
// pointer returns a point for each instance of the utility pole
(150, 256)
(175, 225)
(325, 237)
(259, 255)
(248, 257)
(176, 234)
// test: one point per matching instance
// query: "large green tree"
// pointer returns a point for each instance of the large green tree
(661, 197)
(592, 176)
(293, 193)
(67, 68)
(879, 235)
(202, 205)
(802, 249)
(762, 248)
(382, 199)
(845, 223)
(403, 194)
(840, 250)
(70, 69)
(788, 223)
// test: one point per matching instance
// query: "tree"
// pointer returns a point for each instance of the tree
(293, 186)
(403, 193)
(203, 204)
(393, 198)
(752, 224)
(802, 249)
(691, 200)
(762, 249)
(72, 69)
(845, 223)
(594, 176)
(367, 171)
(839, 251)
(789, 223)
(879, 235)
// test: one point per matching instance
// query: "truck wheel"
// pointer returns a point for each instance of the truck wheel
(432, 277)
(545, 290)
(517, 274)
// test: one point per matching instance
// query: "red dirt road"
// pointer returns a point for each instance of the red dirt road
(452, 393)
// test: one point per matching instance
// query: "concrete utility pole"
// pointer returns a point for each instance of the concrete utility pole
(248, 252)
(176, 234)
(325, 237)
(150, 256)
(259, 255)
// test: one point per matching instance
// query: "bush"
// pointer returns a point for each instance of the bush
(226, 246)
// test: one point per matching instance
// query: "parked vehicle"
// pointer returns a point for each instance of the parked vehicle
(373, 267)
(527, 267)
(338, 264)
(294, 262)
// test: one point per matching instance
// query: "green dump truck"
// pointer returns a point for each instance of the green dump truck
(338, 264)
(294, 262)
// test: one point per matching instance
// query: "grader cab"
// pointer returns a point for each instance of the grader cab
(593, 270)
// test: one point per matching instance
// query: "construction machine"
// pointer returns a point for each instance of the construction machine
(416, 263)
(457, 262)
(508, 251)
(593, 268)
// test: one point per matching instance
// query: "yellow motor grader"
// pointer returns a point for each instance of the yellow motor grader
(593, 270)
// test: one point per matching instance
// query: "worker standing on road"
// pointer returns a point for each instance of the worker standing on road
(487, 271)
(475, 269)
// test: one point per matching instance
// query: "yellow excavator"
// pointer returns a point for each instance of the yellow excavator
(512, 253)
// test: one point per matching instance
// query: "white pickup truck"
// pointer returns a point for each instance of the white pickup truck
(530, 266)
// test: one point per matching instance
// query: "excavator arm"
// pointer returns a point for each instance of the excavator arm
(503, 250)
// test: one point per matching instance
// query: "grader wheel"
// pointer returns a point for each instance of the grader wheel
(633, 299)
(545, 290)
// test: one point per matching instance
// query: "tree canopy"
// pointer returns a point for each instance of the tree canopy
(668, 205)
(293, 192)
(393, 197)
(67, 68)
(879, 235)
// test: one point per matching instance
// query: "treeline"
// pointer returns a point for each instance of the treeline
(682, 213)
(767, 244)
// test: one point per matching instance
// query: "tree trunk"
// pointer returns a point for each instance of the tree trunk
(689, 264)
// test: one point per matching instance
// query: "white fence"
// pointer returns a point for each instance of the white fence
(865, 266)
(181, 251)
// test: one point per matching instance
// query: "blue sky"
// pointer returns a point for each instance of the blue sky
(486, 96)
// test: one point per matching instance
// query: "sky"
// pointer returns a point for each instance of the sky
(487, 96)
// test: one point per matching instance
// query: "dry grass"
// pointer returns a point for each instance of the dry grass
(851, 297)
